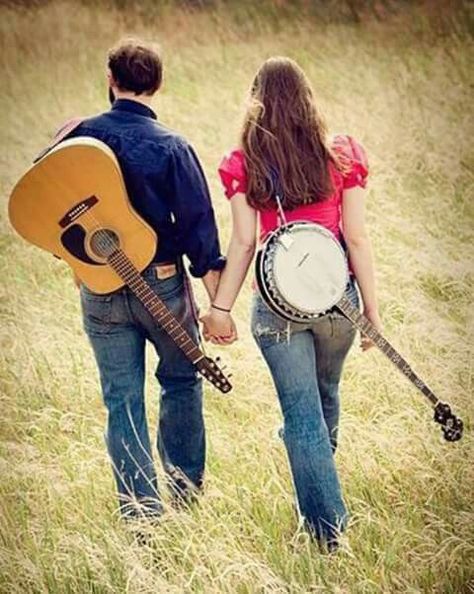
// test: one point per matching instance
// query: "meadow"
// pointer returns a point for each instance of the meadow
(401, 83)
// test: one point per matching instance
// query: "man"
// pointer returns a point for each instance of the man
(167, 187)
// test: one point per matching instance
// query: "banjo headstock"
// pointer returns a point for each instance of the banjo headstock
(451, 425)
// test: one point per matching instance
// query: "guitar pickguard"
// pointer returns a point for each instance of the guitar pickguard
(73, 239)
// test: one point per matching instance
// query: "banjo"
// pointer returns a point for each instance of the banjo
(302, 273)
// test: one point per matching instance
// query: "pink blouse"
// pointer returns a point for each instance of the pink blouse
(233, 175)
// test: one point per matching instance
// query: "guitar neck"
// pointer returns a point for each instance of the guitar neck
(161, 314)
(369, 330)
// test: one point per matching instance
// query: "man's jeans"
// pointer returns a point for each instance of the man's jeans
(118, 326)
(306, 362)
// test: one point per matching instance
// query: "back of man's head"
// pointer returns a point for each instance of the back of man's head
(136, 67)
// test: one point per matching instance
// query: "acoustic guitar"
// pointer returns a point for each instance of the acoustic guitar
(73, 203)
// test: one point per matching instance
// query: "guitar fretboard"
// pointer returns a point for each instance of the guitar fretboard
(161, 314)
(367, 328)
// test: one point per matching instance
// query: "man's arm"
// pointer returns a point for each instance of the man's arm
(211, 282)
(195, 222)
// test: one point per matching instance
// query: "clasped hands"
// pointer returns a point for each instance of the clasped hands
(218, 327)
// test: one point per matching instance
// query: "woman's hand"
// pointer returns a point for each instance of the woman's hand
(218, 327)
(372, 316)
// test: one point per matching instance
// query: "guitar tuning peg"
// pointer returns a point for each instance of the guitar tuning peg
(218, 359)
(229, 375)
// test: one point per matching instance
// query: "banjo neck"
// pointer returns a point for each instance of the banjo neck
(368, 329)
(160, 313)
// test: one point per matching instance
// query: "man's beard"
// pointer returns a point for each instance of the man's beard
(111, 96)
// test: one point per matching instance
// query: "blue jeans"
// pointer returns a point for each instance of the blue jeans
(118, 327)
(306, 362)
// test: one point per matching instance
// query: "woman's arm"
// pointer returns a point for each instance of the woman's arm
(360, 253)
(218, 323)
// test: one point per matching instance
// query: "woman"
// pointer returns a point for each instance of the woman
(320, 182)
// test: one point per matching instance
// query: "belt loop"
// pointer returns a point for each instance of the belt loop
(192, 303)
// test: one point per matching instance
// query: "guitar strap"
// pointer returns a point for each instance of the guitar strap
(60, 135)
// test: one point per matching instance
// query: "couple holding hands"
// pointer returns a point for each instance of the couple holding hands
(322, 180)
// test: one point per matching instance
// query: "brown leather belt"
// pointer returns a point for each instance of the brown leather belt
(165, 270)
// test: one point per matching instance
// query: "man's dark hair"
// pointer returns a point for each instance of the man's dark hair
(136, 66)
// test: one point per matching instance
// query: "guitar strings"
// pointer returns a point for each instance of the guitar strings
(122, 265)
(104, 241)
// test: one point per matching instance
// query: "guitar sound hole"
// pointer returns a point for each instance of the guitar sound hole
(104, 242)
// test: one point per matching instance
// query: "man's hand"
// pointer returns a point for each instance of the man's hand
(218, 327)
(372, 316)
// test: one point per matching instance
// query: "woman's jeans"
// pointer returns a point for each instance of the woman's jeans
(306, 362)
(118, 327)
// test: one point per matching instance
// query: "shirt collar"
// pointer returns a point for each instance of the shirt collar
(133, 107)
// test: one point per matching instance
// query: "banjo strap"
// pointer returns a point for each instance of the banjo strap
(278, 194)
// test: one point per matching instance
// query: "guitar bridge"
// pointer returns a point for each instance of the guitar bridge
(77, 211)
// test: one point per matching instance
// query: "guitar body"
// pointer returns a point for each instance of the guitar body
(70, 194)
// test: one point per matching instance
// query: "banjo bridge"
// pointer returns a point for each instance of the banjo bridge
(303, 260)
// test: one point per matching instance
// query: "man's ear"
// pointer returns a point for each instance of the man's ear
(111, 84)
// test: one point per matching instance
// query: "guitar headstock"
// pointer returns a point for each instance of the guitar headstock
(210, 370)
(451, 425)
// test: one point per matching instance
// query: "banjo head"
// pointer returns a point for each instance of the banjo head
(302, 271)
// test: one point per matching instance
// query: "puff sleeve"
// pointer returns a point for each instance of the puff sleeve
(353, 158)
(233, 174)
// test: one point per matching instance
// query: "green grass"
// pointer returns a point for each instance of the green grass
(402, 85)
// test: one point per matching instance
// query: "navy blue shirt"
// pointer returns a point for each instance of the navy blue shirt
(164, 181)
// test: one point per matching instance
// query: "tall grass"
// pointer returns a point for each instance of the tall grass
(402, 85)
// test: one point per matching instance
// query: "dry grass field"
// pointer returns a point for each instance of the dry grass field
(401, 83)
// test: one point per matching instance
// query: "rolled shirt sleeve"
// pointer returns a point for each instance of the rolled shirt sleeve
(191, 206)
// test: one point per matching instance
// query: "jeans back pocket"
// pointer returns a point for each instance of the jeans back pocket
(96, 310)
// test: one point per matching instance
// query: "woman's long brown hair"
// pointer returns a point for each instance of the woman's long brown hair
(283, 131)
